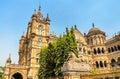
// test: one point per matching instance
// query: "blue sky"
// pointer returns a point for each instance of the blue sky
(15, 15)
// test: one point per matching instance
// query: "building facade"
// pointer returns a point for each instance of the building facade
(98, 58)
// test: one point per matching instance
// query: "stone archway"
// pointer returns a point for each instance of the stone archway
(17, 76)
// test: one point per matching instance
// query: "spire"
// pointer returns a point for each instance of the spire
(39, 13)
(93, 25)
(39, 9)
(34, 14)
(23, 35)
(9, 59)
(75, 26)
(47, 18)
(35, 11)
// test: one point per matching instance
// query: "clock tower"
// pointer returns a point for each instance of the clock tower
(37, 36)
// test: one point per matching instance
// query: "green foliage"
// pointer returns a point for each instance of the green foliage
(56, 53)
(1, 72)
(95, 71)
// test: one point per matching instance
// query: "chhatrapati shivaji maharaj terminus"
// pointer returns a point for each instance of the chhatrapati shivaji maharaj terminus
(99, 58)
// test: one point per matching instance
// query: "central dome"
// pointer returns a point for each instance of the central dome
(94, 30)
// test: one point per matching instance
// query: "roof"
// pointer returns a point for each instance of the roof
(94, 30)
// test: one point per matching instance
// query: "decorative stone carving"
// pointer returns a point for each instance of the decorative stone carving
(75, 65)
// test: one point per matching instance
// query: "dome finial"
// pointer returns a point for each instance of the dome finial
(35, 11)
(93, 25)
(39, 9)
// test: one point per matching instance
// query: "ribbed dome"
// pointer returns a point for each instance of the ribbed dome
(95, 30)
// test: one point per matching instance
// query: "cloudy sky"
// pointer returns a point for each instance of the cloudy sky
(15, 15)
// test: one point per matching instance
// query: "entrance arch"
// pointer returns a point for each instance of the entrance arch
(17, 76)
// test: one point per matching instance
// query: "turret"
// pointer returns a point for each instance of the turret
(95, 36)
(8, 62)
(39, 14)
(48, 19)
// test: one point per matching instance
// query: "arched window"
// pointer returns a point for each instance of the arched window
(95, 41)
(84, 50)
(95, 51)
(91, 41)
(115, 48)
(97, 65)
(109, 50)
(99, 41)
(118, 47)
(37, 58)
(99, 51)
(103, 51)
(39, 42)
(113, 62)
(118, 61)
(117, 77)
(101, 64)
(105, 63)
(89, 52)
(80, 49)
(112, 49)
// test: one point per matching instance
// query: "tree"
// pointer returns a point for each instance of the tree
(56, 53)
(1, 72)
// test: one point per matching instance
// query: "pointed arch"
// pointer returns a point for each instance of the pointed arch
(37, 58)
(105, 63)
(97, 64)
(99, 51)
(113, 62)
(95, 52)
(101, 64)
(95, 40)
(115, 48)
(118, 61)
(118, 46)
(103, 51)
(112, 49)
(109, 50)
(99, 41)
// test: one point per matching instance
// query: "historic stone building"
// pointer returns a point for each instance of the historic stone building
(98, 58)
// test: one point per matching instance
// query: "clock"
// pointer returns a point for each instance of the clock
(40, 30)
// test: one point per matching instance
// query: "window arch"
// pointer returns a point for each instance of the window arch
(101, 64)
(91, 41)
(84, 50)
(89, 52)
(118, 47)
(115, 48)
(99, 41)
(39, 42)
(113, 62)
(118, 61)
(95, 40)
(95, 52)
(109, 50)
(99, 51)
(97, 65)
(103, 51)
(105, 63)
(112, 49)
(102, 39)
(37, 58)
